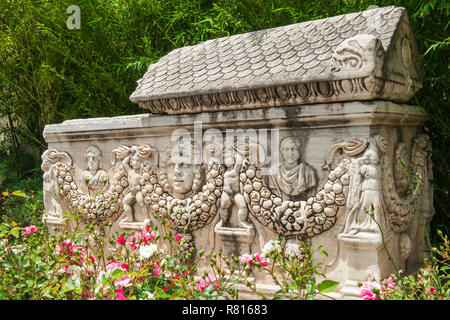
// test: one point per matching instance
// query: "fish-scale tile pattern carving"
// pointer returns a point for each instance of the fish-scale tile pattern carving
(290, 54)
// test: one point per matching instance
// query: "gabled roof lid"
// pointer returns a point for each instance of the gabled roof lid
(359, 56)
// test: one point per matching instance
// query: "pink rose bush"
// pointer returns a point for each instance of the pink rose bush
(72, 252)
(28, 230)
(121, 240)
(247, 259)
(206, 282)
(140, 238)
(372, 290)
(109, 275)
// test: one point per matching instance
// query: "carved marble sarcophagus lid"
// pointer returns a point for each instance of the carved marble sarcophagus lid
(293, 131)
(359, 56)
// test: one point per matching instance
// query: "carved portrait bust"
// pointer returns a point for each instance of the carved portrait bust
(294, 179)
(179, 175)
(94, 176)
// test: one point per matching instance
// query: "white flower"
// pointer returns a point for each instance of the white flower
(146, 252)
(150, 296)
(75, 278)
(271, 246)
(17, 249)
(293, 250)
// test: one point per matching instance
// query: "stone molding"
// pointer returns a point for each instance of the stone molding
(309, 116)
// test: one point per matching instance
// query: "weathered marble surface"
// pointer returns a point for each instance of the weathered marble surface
(248, 152)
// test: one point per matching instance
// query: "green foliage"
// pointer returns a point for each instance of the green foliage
(18, 172)
(292, 268)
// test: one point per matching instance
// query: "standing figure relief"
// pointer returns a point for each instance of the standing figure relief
(233, 161)
(367, 187)
(94, 176)
(53, 165)
(136, 161)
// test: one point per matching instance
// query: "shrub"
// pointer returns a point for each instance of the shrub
(87, 263)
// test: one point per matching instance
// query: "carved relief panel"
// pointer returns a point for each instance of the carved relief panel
(229, 184)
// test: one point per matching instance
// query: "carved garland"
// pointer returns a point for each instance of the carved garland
(290, 218)
(297, 218)
(192, 213)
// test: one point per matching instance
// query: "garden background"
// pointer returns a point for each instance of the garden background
(49, 73)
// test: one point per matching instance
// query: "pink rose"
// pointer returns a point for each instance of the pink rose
(119, 295)
(140, 238)
(29, 229)
(245, 258)
(389, 284)
(178, 237)
(123, 282)
(262, 260)
(204, 283)
(367, 291)
(156, 271)
(121, 240)
(176, 276)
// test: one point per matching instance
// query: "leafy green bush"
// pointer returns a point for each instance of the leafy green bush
(87, 263)
(19, 171)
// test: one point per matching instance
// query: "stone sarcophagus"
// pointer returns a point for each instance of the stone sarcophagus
(293, 131)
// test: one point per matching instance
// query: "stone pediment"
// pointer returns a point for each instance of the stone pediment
(365, 55)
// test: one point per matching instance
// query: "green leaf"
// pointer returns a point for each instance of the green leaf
(327, 286)
(19, 193)
(117, 273)
(311, 285)
(15, 232)
(68, 286)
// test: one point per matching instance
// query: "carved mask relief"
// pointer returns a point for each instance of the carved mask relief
(179, 174)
